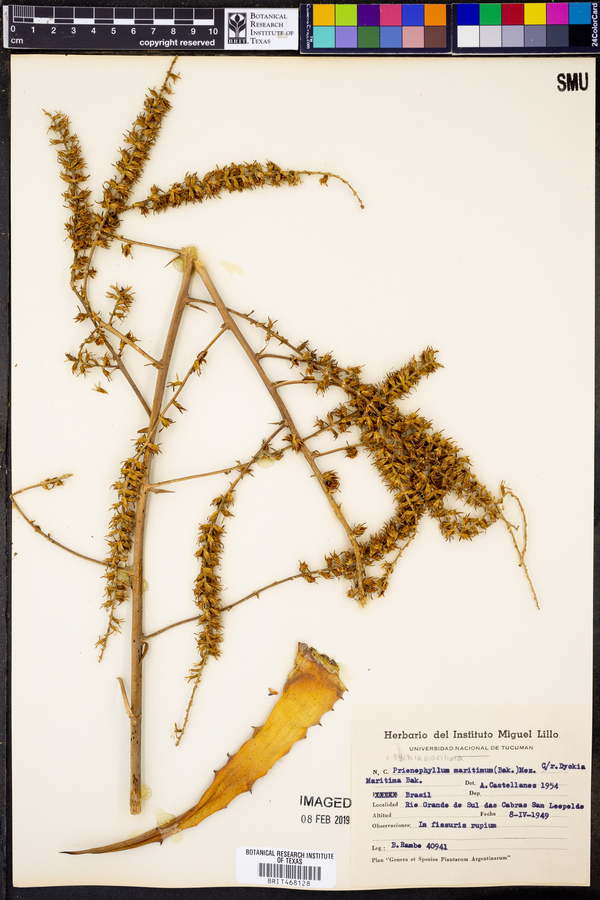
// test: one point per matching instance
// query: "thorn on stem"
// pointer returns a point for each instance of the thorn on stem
(128, 709)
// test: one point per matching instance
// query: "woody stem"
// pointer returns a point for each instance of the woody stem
(137, 603)
(232, 325)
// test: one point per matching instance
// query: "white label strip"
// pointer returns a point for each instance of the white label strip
(470, 795)
(261, 29)
(280, 867)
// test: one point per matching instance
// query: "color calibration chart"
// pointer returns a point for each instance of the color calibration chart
(375, 27)
(439, 28)
(526, 26)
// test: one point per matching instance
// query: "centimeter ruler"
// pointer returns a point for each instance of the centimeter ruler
(139, 28)
(320, 28)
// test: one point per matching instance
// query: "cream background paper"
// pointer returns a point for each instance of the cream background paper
(477, 238)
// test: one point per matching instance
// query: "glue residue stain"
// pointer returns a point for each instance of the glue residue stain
(162, 818)
(146, 792)
(232, 268)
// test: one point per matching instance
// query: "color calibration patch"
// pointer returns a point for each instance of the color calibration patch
(375, 28)
(450, 28)
(526, 27)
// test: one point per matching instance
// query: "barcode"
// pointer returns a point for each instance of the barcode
(302, 873)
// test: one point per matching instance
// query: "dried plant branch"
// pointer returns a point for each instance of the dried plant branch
(125, 339)
(507, 492)
(48, 484)
(424, 471)
(127, 376)
(325, 178)
(226, 470)
(89, 230)
(297, 442)
(129, 242)
(207, 588)
(347, 448)
(194, 619)
(234, 178)
(126, 703)
(194, 368)
(137, 636)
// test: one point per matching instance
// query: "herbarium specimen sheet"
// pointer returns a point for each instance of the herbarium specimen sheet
(371, 453)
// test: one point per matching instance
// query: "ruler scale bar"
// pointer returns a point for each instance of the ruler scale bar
(36, 15)
(134, 28)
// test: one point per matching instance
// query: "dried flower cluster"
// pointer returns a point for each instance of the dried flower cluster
(81, 226)
(229, 179)
(422, 469)
(120, 540)
(139, 141)
(207, 586)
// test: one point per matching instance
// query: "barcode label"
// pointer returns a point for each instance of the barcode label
(282, 867)
(278, 870)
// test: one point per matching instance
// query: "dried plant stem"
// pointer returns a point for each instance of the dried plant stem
(125, 698)
(125, 371)
(237, 466)
(327, 176)
(335, 449)
(194, 619)
(297, 441)
(37, 529)
(159, 484)
(212, 627)
(137, 568)
(125, 240)
(505, 491)
(195, 367)
(82, 296)
(105, 326)
(252, 321)
(117, 356)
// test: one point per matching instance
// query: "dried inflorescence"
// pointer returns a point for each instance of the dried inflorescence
(123, 297)
(207, 586)
(88, 227)
(207, 595)
(120, 540)
(422, 469)
(81, 226)
(229, 179)
(139, 141)
(426, 473)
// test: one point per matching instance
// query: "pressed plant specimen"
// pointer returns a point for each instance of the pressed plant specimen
(425, 472)
(312, 688)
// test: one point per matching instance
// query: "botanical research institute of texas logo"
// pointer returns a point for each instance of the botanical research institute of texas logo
(236, 28)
